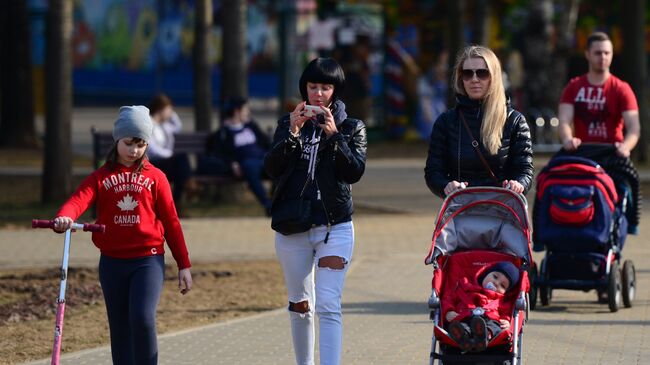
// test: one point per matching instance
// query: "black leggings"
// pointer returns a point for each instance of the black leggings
(131, 291)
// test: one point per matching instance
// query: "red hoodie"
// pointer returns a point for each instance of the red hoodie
(137, 209)
(466, 296)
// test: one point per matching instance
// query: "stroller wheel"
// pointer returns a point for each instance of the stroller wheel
(614, 288)
(532, 295)
(545, 294)
(629, 283)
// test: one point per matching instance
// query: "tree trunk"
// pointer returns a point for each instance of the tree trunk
(481, 22)
(635, 65)
(234, 77)
(16, 94)
(566, 28)
(538, 59)
(202, 66)
(57, 161)
(288, 68)
(456, 9)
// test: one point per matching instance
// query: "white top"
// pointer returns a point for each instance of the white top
(161, 144)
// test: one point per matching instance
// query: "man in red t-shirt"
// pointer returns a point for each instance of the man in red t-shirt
(599, 106)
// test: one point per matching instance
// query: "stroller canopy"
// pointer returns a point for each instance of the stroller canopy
(482, 218)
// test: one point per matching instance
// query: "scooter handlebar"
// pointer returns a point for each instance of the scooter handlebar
(94, 227)
(42, 223)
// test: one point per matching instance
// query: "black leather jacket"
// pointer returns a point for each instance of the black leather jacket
(445, 163)
(341, 161)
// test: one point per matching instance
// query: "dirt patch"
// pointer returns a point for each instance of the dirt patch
(221, 291)
(32, 294)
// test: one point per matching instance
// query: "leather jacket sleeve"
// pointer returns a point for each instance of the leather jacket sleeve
(350, 156)
(519, 165)
(435, 170)
(284, 146)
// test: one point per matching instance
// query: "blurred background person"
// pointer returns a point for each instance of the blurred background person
(354, 60)
(599, 108)
(242, 144)
(161, 154)
(432, 95)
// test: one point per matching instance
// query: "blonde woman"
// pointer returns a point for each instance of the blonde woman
(482, 141)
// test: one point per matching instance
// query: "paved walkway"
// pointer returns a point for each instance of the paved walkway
(386, 316)
(385, 313)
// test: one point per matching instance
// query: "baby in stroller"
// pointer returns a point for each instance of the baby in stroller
(481, 240)
(474, 312)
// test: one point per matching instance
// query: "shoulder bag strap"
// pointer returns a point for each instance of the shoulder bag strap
(476, 147)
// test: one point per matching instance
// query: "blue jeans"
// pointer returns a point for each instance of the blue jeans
(132, 290)
(253, 169)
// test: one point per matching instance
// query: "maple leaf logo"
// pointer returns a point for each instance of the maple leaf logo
(127, 203)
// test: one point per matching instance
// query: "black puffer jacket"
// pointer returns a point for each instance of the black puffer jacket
(341, 161)
(513, 161)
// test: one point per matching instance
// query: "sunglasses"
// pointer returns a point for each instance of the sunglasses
(481, 74)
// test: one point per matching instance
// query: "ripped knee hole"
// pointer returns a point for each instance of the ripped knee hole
(300, 307)
(332, 262)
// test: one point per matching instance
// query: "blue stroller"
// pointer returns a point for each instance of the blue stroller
(579, 217)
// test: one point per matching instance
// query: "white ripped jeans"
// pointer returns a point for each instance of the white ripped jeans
(321, 287)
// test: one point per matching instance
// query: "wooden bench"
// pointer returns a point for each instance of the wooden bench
(192, 143)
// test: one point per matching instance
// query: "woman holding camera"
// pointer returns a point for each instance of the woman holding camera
(482, 141)
(317, 153)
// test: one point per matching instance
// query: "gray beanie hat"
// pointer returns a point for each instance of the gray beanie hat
(133, 121)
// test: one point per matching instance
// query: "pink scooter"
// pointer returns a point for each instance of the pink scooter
(58, 328)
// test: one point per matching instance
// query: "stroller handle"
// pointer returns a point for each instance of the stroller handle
(87, 227)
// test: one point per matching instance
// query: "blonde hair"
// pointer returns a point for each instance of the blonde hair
(494, 102)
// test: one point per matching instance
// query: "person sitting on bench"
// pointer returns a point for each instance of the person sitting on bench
(242, 144)
(161, 146)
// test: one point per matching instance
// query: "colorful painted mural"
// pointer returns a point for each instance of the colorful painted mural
(142, 35)
(134, 48)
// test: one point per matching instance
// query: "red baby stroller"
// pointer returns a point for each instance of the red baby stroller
(477, 227)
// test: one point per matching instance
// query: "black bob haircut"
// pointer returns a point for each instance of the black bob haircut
(230, 105)
(322, 71)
